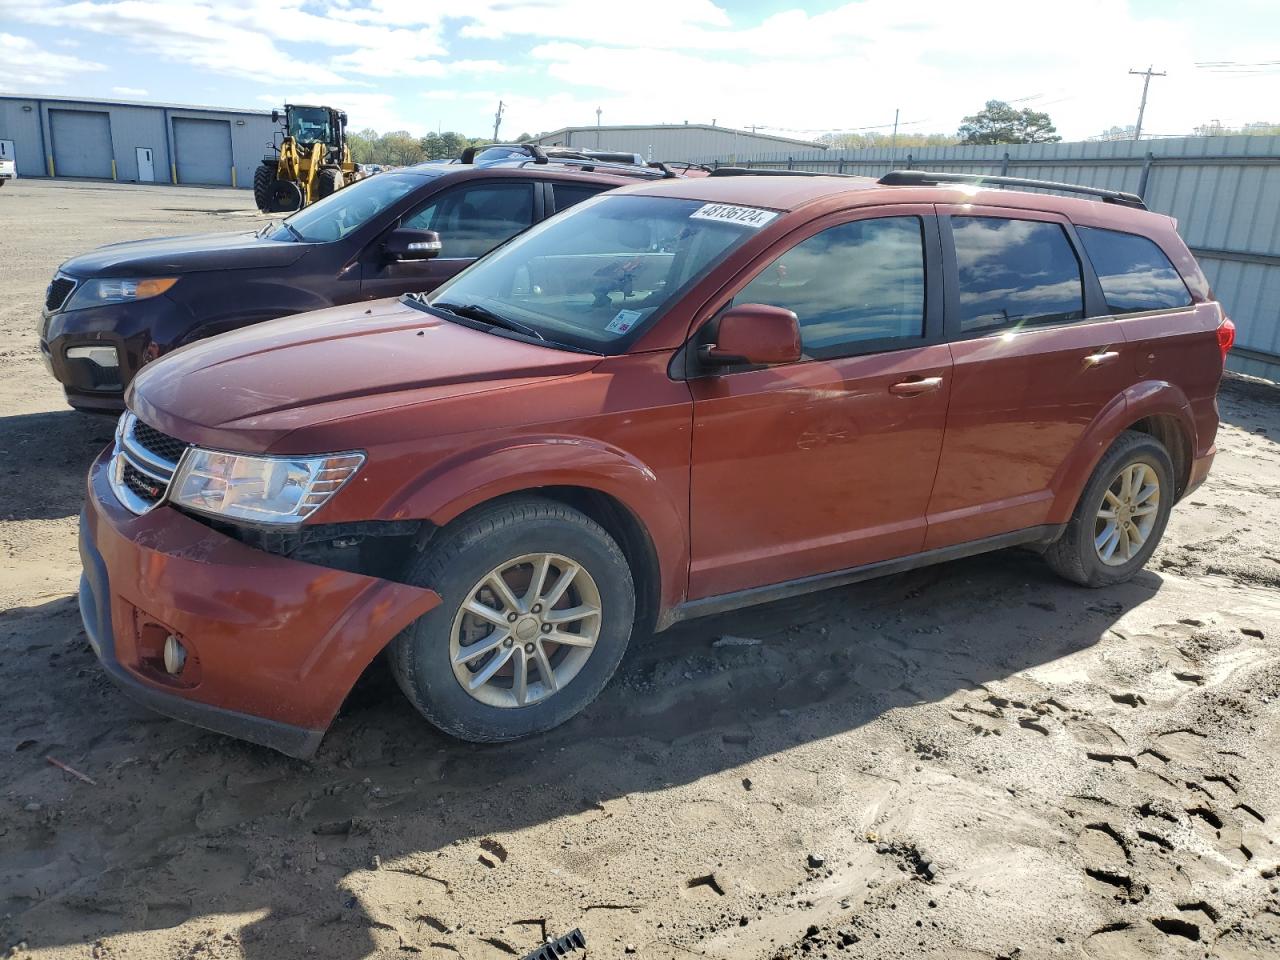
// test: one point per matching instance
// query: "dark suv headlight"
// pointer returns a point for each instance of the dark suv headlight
(97, 293)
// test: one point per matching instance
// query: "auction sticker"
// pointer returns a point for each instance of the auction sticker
(624, 321)
(727, 213)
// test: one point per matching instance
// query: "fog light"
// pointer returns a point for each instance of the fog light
(102, 356)
(175, 655)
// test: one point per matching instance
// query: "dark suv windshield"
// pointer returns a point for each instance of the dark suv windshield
(310, 125)
(596, 276)
(352, 207)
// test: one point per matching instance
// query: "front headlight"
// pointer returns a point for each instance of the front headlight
(97, 293)
(284, 490)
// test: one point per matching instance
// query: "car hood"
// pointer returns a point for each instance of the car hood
(164, 256)
(247, 389)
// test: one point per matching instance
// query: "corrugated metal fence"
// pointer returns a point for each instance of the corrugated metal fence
(1224, 192)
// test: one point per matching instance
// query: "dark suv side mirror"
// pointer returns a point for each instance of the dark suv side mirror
(754, 334)
(407, 244)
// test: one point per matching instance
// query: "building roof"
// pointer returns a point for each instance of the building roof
(589, 128)
(132, 103)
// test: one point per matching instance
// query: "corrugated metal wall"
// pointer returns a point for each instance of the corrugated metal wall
(26, 121)
(1223, 191)
(665, 142)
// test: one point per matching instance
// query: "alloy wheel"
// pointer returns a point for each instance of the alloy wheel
(1127, 514)
(525, 630)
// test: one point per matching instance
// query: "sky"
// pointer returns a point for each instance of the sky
(800, 71)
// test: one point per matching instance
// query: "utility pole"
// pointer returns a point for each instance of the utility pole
(895, 127)
(497, 120)
(598, 111)
(1146, 74)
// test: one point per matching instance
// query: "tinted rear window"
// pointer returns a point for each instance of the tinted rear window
(1015, 272)
(1135, 273)
(567, 194)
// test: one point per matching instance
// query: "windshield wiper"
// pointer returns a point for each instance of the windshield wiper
(484, 314)
(266, 228)
(288, 226)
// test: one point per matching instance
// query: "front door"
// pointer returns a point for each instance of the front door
(1033, 368)
(471, 219)
(146, 166)
(828, 463)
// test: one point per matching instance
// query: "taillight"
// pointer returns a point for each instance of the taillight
(1226, 337)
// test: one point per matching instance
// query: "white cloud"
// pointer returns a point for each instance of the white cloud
(26, 62)
(129, 91)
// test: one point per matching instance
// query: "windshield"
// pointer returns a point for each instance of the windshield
(597, 276)
(310, 125)
(352, 207)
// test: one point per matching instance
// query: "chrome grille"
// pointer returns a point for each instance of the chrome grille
(143, 463)
(56, 295)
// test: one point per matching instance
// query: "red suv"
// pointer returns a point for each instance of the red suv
(671, 400)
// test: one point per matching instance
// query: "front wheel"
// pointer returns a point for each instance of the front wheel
(537, 613)
(1121, 515)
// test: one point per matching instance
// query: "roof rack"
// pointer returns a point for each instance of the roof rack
(767, 172)
(532, 149)
(928, 178)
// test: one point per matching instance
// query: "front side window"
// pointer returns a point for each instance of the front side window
(596, 276)
(473, 220)
(1135, 274)
(1014, 273)
(849, 284)
(350, 208)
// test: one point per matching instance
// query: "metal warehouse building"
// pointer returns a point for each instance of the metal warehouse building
(138, 142)
(672, 141)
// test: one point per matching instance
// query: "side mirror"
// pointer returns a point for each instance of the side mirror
(275, 116)
(407, 244)
(754, 334)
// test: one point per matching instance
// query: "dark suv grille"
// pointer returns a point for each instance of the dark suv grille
(58, 292)
(161, 444)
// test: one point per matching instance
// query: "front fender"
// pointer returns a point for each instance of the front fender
(1146, 399)
(481, 474)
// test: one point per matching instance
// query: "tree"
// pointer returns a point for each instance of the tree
(998, 122)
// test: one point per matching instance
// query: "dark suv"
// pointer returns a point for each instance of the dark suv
(676, 399)
(110, 311)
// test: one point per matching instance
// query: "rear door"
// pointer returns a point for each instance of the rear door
(1037, 359)
(828, 463)
(472, 218)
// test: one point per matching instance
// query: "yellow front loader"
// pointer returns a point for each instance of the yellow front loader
(311, 161)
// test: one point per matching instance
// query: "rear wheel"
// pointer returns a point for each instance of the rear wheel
(330, 181)
(1121, 515)
(264, 180)
(538, 609)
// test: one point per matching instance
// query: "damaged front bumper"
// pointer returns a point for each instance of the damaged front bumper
(270, 646)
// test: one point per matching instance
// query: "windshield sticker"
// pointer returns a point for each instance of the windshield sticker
(624, 321)
(726, 213)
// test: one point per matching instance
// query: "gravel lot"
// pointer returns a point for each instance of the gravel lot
(975, 760)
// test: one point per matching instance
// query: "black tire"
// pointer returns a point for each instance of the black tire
(454, 563)
(330, 181)
(264, 181)
(286, 196)
(1074, 556)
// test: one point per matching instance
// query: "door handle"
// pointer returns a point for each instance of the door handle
(913, 388)
(1102, 356)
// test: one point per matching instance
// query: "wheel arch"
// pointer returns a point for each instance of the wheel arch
(621, 494)
(1157, 408)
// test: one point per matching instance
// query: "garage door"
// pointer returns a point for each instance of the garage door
(81, 143)
(203, 149)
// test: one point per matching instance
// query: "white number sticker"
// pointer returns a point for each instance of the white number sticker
(624, 321)
(727, 213)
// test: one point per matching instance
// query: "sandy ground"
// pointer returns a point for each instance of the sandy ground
(975, 760)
